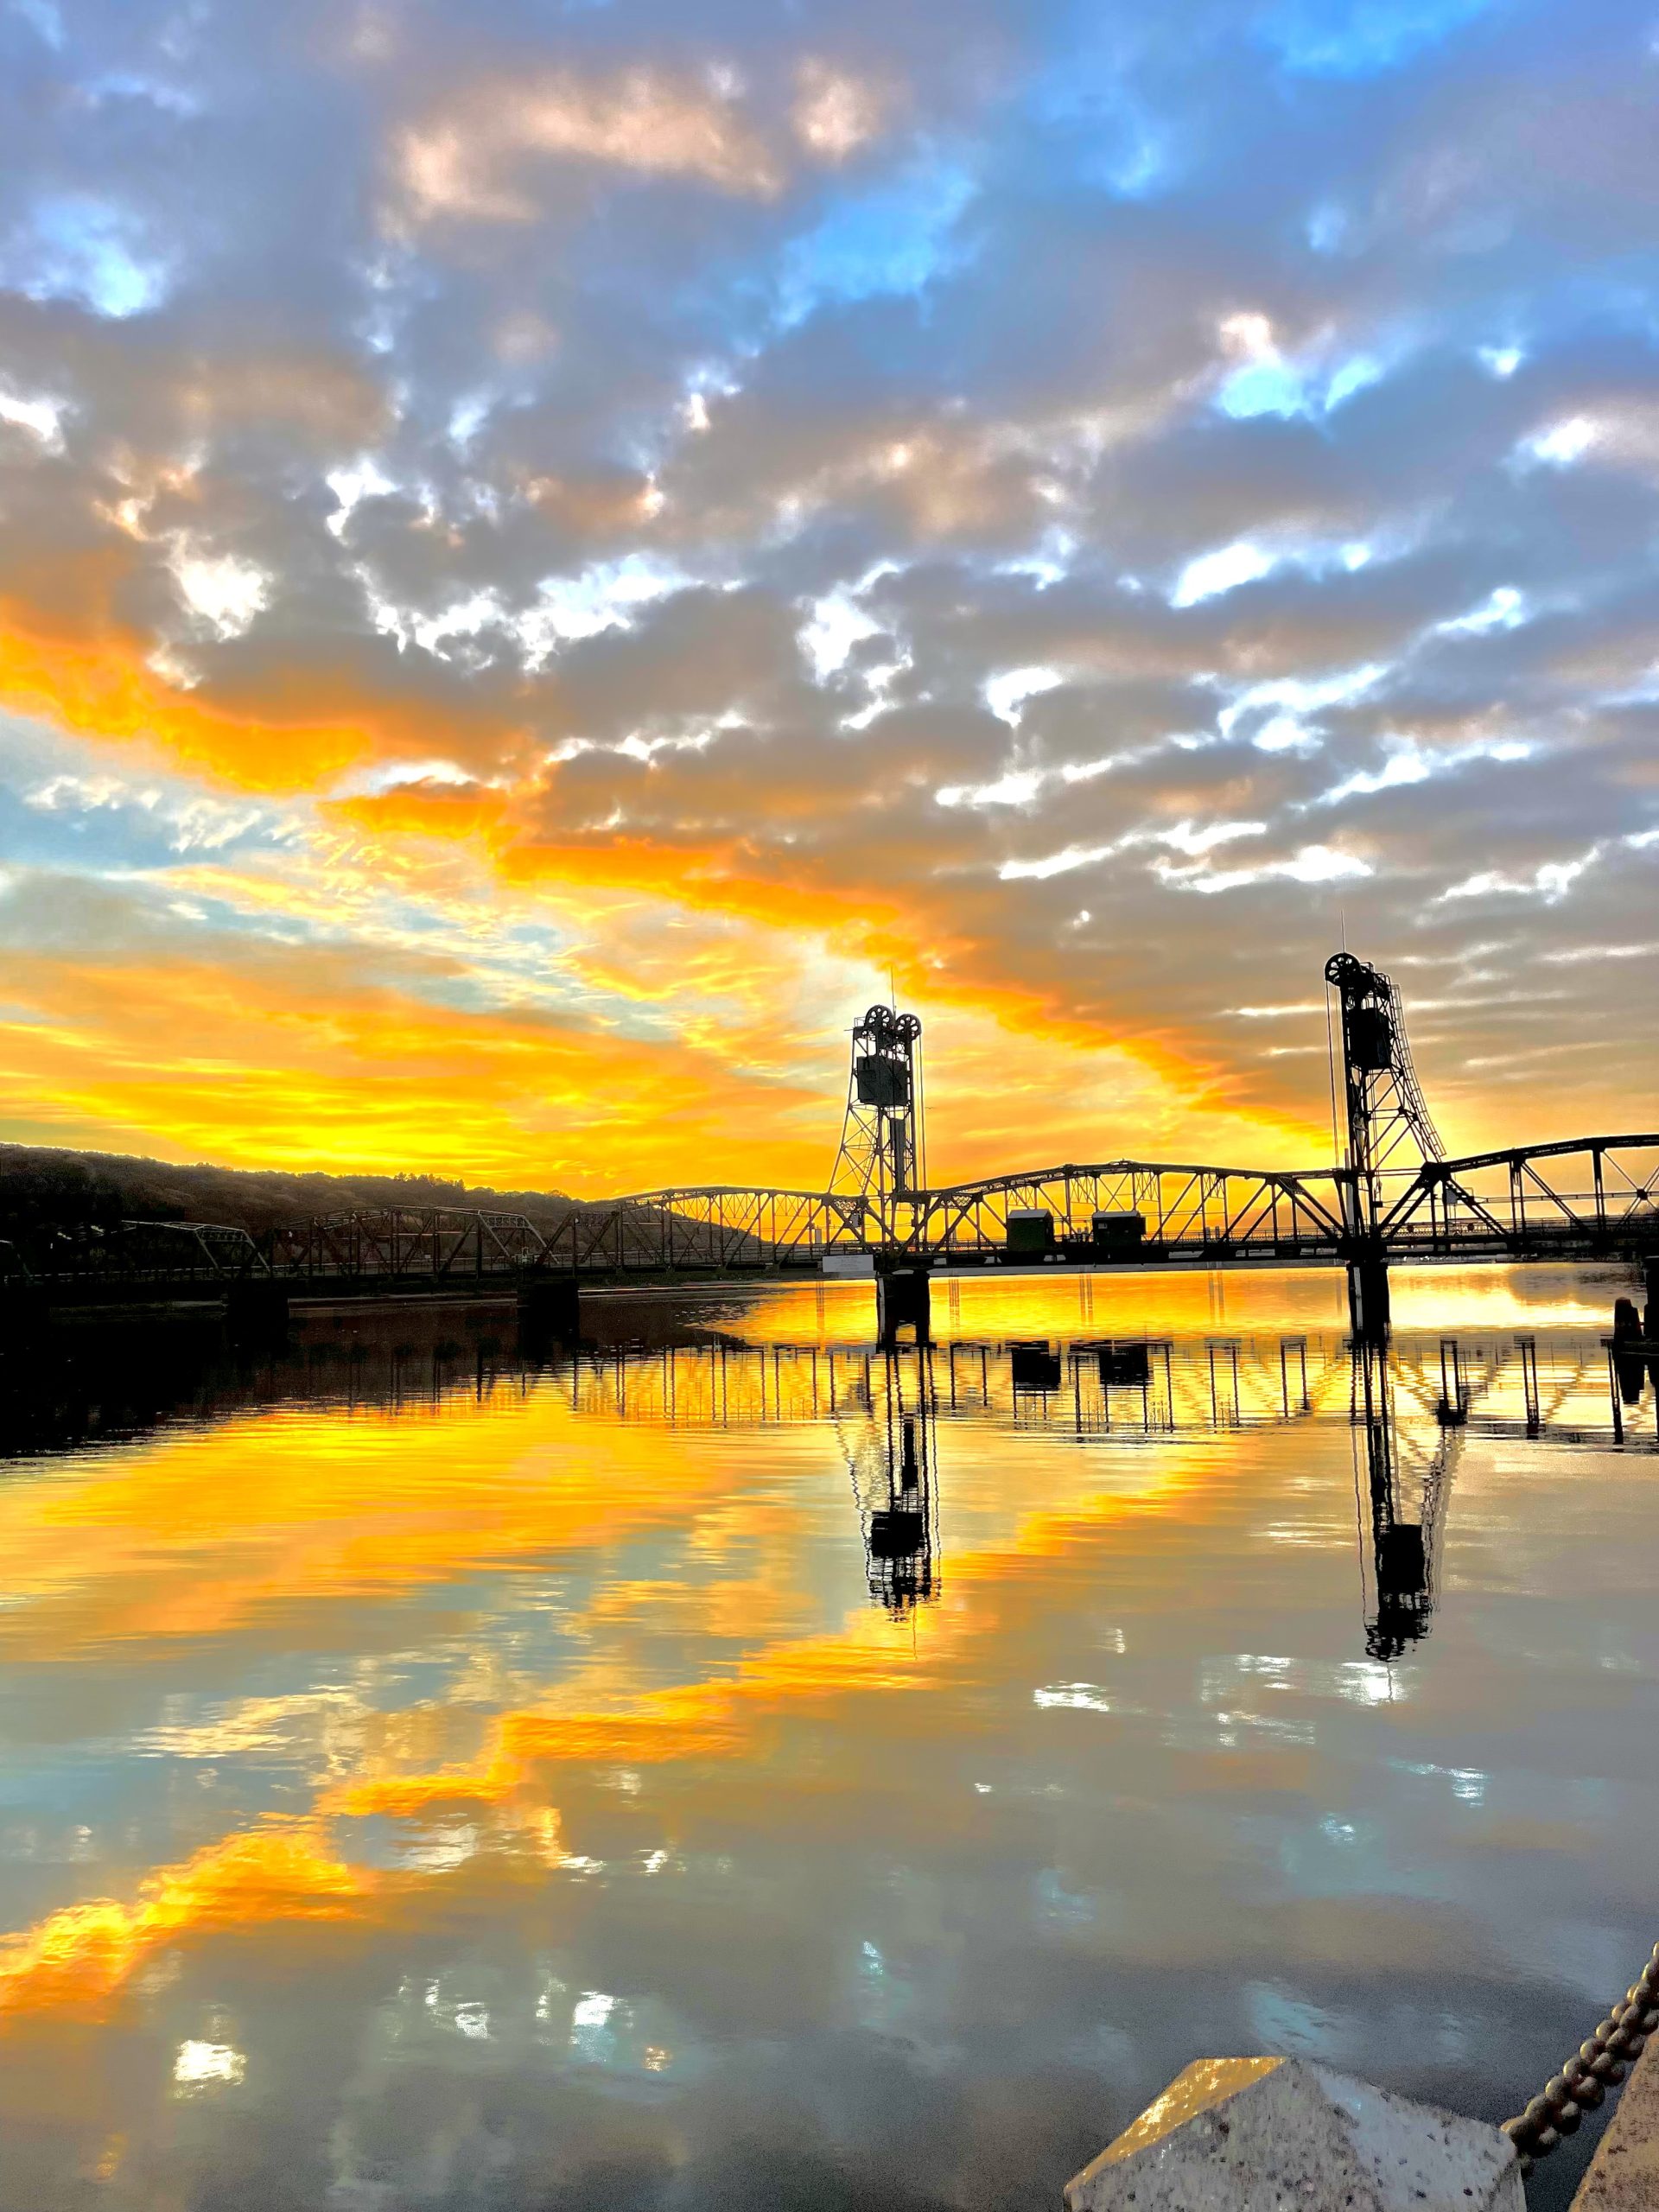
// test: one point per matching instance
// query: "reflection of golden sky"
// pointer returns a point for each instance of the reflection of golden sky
(1179, 1302)
(199, 1531)
(255, 1532)
(302, 1527)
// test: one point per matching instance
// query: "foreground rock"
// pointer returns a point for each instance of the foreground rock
(1265, 2134)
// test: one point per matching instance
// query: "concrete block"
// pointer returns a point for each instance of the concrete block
(1624, 2175)
(1266, 2134)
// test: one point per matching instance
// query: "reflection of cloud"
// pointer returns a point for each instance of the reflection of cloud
(203, 2065)
(293, 1519)
(760, 1847)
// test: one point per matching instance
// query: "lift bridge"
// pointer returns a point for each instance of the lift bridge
(1393, 1197)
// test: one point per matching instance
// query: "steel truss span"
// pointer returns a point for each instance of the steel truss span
(1573, 1199)
(691, 1231)
(137, 1252)
(1579, 1195)
(398, 1242)
(1190, 1211)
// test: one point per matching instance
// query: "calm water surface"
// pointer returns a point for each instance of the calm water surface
(725, 1766)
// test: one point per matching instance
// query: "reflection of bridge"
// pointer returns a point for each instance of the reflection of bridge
(1410, 1408)
(902, 1418)
(1149, 1389)
(1394, 1198)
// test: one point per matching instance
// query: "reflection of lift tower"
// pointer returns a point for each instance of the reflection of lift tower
(1402, 1551)
(892, 1469)
(883, 1154)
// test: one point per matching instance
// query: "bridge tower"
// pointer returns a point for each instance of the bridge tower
(1387, 1118)
(883, 1156)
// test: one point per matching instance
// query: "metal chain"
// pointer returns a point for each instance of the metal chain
(1594, 2068)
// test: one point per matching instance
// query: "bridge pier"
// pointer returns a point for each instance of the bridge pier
(1367, 1297)
(22, 1315)
(904, 1299)
(256, 1309)
(550, 1306)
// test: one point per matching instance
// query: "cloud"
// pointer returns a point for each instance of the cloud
(836, 112)
(826, 483)
(466, 161)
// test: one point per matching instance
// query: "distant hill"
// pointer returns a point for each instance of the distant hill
(40, 1184)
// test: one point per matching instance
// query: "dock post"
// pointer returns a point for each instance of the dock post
(903, 1300)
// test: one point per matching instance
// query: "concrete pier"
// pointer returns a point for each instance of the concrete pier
(1367, 1297)
(256, 1309)
(904, 1299)
(550, 1306)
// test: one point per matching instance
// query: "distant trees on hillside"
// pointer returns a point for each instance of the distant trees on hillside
(43, 1187)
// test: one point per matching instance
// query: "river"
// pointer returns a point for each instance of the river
(723, 1766)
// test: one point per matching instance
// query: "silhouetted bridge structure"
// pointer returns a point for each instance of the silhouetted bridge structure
(1396, 1199)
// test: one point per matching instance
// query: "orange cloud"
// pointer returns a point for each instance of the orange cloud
(298, 728)
(263, 1055)
(843, 888)
(465, 160)
(284, 1057)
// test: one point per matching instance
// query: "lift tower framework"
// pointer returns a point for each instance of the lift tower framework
(1387, 1116)
(883, 1157)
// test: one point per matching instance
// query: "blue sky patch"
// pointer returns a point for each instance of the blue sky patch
(74, 248)
(1359, 38)
(894, 240)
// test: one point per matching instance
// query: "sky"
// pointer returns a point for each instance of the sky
(552, 552)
